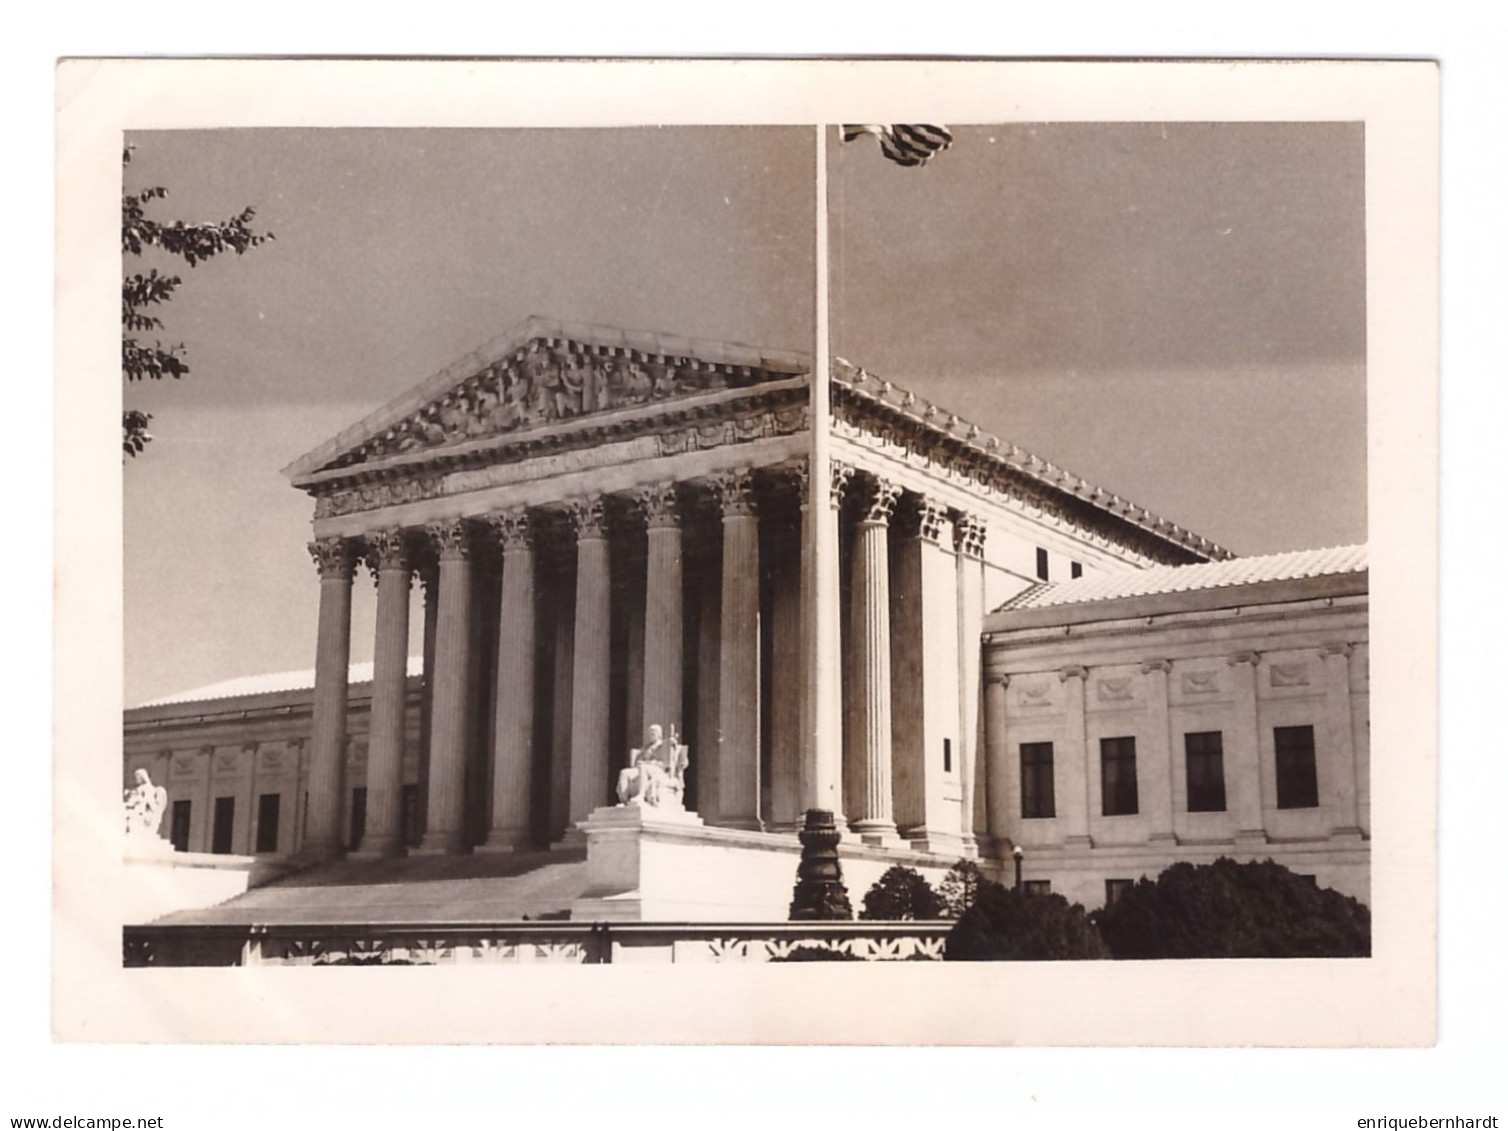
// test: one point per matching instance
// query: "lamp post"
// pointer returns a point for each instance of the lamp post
(1019, 855)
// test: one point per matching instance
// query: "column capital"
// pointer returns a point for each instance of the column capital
(660, 506)
(333, 557)
(840, 474)
(514, 528)
(1252, 658)
(878, 500)
(1151, 666)
(734, 491)
(968, 534)
(930, 515)
(997, 679)
(452, 540)
(1073, 671)
(388, 549)
(588, 517)
(1337, 649)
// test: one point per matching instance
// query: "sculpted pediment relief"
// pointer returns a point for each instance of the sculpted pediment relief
(546, 381)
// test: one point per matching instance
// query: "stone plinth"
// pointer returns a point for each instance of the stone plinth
(158, 881)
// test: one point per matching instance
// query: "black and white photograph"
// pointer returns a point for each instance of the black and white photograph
(707, 546)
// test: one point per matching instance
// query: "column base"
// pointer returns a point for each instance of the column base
(501, 841)
(311, 854)
(879, 834)
(387, 848)
(1082, 841)
(1169, 839)
(935, 843)
(440, 844)
(1251, 836)
(1348, 832)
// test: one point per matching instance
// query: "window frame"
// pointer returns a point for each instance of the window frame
(1042, 770)
(1119, 750)
(1212, 782)
(1295, 768)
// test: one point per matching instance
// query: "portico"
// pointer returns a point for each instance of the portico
(611, 531)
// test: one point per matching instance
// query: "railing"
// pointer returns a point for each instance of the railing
(437, 944)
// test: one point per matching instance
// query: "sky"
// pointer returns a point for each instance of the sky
(1175, 312)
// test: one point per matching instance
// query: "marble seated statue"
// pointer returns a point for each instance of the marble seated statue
(655, 776)
(145, 804)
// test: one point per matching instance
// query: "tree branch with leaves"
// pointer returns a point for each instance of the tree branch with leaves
(143, 359)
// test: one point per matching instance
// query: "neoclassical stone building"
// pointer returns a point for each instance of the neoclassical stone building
(612, 529)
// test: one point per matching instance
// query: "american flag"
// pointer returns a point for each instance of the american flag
(905, 145)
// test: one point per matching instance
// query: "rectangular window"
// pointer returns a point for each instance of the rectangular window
(269, 806)
(224, 826)
(1205, 766)
(1038, 887)
(1114, 889)
(1298, 787)
(411, 835)
(1076, 569)
(1041, 564)
(358, 816)
(947, 755)
(1118, 776)
(183, 814)
(1036, 780)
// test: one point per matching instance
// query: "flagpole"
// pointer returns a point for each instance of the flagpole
(822, 740)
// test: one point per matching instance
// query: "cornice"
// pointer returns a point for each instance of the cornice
(898, 420)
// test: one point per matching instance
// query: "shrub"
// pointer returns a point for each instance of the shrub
(960, 887)
(1009, 925)
(810, 952)
(1231, 910)
(901, 893)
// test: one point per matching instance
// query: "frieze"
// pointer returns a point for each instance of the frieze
(550, 380)
(1289, 675)
(1201, 682)
(1114, 690)
(371, 496)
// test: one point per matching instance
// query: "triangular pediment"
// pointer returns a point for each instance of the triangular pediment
(540, 375)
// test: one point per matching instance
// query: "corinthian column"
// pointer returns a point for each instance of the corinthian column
(389, 558)
(591, 662)
(335, 559)
(968, 545)
(662, 608)
(870, 694)
(444, 829)
(513, 722)
(822, 729)
(738, 654)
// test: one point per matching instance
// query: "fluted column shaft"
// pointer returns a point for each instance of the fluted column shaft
(1076, 759)
(968, 544)
(1244, 769)
(870, 638)
(663, 613)
(822, 713)
(327, 745)
(444, 831)
(1162, 759)
(389, 557)
(591, 662)
(738, 655)
(513, 703)
(1343, 795)
(785, 694)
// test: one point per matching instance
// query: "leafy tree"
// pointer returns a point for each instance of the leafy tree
(1009, 925)
(901, 893)
(140, 359)
(960, 887)
(1231, 910)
